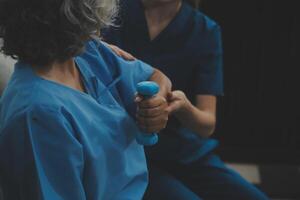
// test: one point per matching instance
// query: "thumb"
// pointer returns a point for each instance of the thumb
(169, 96)
(172, 107)
(138, 98)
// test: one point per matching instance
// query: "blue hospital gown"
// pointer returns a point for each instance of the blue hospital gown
(57, 143)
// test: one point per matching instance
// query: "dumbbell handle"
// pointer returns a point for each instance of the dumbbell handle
(147, 89)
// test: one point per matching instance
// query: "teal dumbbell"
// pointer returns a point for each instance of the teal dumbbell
(147, 89)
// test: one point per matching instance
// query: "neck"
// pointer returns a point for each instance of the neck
(57, 70)
(65, 73)
(158, 11)
(152, 4)
(160, 14)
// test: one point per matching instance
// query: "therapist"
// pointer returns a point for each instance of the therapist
(185, 45)
(66, 125)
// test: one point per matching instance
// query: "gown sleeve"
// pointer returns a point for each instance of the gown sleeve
(40, 157)
(130, 73)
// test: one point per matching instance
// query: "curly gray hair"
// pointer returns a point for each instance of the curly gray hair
(106, 11)
(51, 30)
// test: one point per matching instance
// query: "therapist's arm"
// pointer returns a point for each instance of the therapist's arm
(200, 118)
(163, 81)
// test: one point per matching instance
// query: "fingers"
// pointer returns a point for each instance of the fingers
(153, 121)
(152, 102)
(176, 95)
(152, 129)
(177, 101)
(152, 114)
(127, 56)
(154, 124)
(169, 96)
(173, 107)
(138, 98)
(122, 53)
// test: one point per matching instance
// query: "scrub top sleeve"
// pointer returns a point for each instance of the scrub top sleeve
(209, 72)
(132, 73)
(43, 156)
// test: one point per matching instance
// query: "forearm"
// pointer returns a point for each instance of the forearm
(199, 121)
(163, 81)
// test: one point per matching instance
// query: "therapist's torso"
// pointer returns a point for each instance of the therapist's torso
(189, 52)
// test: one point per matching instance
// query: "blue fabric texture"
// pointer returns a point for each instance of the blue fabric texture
(207, 178)
(57, 143)
(189, 52)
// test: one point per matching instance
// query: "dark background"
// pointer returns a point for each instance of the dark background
(259, 116)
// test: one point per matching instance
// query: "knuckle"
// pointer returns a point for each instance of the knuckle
(163, 100)
(165, 105)
(157, 110)
(148, 112)
(148, 103)
(166, 112)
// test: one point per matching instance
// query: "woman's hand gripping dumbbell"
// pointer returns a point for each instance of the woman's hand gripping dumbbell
(152, 113)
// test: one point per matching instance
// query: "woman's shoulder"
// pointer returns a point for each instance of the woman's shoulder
(98, 52)
(96, 45)
(35, 120)
(100, 59)
(17, 114)
(21, 97)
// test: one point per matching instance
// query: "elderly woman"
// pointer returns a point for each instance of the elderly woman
(66, 117)
(186, 45)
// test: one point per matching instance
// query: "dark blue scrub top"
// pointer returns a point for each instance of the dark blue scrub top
(57, 143)
(189, 52)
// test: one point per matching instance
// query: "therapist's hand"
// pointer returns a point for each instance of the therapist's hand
(178, 102)
(121, 53)
(152, 114)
